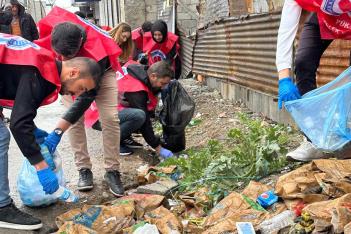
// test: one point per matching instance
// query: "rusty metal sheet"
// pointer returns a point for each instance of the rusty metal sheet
(334, 61)
(186, 53)
(242, 51)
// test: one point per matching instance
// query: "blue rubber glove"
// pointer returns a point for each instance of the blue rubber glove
(52, 140)
(48, 180)
(165, 153)
(287, 91)
(40, 135)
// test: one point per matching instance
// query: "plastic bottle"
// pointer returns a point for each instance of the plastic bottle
(278, 222)
(47, 156)
(66, 195)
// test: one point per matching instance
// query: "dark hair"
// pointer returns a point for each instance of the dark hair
(67, 38)
(161, 26)
(162, 69)
(80, 14)
(89, 68)
(146, 26)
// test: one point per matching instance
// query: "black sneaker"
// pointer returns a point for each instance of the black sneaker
(85, 181)
(132, 144)
(125, 150)
(113, 180)
(11, 217)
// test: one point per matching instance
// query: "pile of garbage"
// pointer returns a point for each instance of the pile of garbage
(315, 198)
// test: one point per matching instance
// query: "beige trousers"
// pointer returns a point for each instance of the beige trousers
(106, 101)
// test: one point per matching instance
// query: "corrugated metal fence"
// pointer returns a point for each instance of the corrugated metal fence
(187, 48)
(240, 50)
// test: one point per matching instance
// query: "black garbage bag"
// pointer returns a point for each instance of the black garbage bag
(177, 111)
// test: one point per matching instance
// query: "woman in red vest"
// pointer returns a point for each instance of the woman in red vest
(122, 35)
(159, 44)
(330, 19)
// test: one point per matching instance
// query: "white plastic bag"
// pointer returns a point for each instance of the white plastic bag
(147, 229)
(28, 185)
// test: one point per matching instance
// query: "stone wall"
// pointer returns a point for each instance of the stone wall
(187, 16)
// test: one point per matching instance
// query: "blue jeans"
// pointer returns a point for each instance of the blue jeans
(5, 198)
(130, 120)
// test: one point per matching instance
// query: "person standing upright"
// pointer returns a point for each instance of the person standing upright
(22, 23)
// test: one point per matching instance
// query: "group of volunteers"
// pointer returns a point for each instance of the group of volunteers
(108, 78)
(112, 80)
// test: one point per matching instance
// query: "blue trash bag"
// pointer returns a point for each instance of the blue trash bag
(323, 114)
(28, 185)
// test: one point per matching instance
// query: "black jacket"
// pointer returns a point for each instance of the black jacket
(5, 21)
(28, 88)
(28, 27)
(140, 100)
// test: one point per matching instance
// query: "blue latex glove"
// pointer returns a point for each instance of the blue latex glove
(165, 153)
(48, 180)
(287, 91)
(52, 140)
(40, 135)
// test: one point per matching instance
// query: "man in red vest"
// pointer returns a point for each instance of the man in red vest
(137, 92)
(137, 36)
(69, 36)
(26, 83)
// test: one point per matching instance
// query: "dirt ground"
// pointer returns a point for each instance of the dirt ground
(216, 117)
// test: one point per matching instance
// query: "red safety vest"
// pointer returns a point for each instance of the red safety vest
(125, 82)
(16, 50)
(106, 28)
(137, 38)
(98, 45)
(157, 52)
(334, 17)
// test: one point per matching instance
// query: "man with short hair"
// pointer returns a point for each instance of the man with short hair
(25, 88)
(137, 97)
(137, 36)
(80, 38)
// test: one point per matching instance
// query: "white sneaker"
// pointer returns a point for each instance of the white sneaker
(306, 152)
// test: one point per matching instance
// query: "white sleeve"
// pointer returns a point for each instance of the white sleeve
(289, 24)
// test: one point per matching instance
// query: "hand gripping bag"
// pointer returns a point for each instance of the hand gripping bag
(30, 190)
(324, 114)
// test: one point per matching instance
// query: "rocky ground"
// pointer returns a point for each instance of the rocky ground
(216, 116)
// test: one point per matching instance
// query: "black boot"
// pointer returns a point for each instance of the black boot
(113, 179)
(11, 217)
(85, 182)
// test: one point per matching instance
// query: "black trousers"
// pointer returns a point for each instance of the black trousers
(310, 49)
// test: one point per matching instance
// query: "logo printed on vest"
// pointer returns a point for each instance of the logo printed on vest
(336, 7)
(16, 42)
(120, 75)
(157, 55)
(101, 31)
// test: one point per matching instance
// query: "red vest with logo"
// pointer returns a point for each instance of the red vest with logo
(137, 38)
(16, 50)
(125, 83)
(98, 45)
(334, 17)
(157, 52)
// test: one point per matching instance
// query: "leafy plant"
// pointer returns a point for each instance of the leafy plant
(254, 150)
